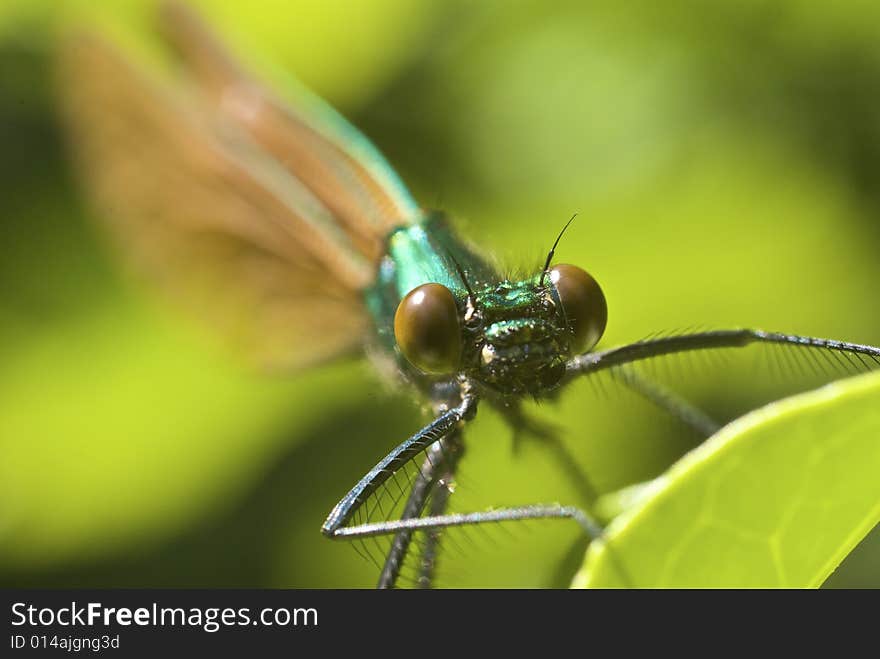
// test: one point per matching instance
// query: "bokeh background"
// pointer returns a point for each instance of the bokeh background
(724, 159)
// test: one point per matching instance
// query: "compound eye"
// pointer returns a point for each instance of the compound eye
(583, 303)
(427, 330)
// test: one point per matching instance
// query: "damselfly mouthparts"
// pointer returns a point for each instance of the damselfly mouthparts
(289, 230)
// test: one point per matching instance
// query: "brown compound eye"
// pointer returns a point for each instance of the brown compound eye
(583, 303)
(427, 330)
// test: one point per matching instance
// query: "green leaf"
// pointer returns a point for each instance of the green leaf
(776, 499)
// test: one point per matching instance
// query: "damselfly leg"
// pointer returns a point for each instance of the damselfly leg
(432, 435)
(442, 441)
(432, 483)
(596, 361)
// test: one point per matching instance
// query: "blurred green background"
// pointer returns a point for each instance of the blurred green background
(724, 159)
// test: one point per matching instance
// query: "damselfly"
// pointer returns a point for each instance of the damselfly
(289, 230)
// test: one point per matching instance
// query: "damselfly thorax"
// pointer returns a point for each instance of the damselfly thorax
(287, 230)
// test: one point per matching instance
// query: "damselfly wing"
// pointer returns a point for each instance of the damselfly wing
(286, 229)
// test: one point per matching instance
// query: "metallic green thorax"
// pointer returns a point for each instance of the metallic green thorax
(515, 337)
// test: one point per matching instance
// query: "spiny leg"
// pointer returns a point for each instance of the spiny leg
(533, 511)
(454, 449)
(401, 455)
(619, 361)
(431, 438)
(596, 361)
(431, 435)
(415, 503)
(436, 467)
(439, 429)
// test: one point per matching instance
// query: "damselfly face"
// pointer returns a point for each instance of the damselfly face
(513, 336)
(523, 337)
(529, 329)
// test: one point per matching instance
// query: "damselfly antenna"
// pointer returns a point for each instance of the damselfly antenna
(546, 269)
(471, 297)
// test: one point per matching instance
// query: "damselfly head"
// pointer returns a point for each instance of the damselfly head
(513, 336)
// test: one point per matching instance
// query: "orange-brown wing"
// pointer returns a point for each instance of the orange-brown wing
(336, 162)
(210, 215)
